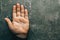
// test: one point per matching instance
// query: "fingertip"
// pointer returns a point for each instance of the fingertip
(8, 22)
(26, 13)
(14, 6)
(22, 7)
(14, 11)
(26, 10)
(18, 4)
(22, 10)
(5, 18)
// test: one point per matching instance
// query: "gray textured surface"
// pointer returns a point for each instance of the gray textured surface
(44, 19)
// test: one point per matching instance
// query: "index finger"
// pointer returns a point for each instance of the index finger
(14, 11)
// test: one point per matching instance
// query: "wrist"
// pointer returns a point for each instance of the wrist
(22, 35)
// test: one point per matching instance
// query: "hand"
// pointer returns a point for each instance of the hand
(20, 23)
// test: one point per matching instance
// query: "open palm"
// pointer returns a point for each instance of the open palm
(20, 23)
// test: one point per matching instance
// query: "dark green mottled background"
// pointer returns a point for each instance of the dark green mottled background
(44, 19)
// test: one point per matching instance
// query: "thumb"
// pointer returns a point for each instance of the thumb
(9, 22)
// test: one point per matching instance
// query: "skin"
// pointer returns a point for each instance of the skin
(20, 22)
